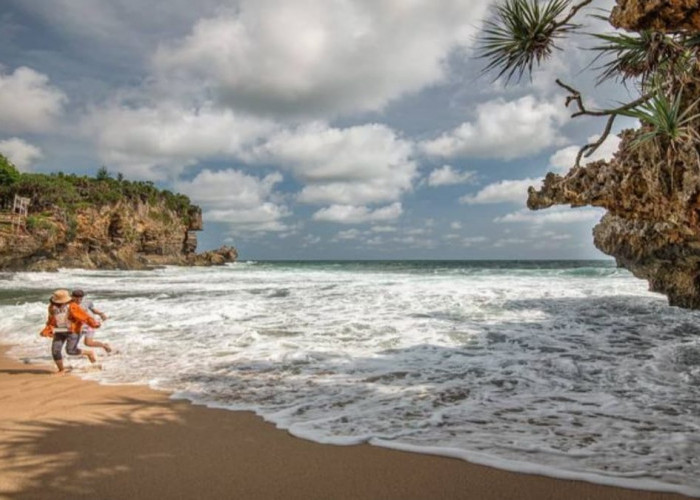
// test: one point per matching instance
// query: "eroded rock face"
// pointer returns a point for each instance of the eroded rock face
(659, 15)
(116, 236)
(652, 226)
(651, 189)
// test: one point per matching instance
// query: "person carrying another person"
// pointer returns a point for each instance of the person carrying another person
(89, 332)
(64, 324)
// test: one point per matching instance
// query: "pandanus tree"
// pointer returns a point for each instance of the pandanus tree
(658, 60)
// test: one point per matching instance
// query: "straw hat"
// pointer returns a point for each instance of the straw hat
(61, 297)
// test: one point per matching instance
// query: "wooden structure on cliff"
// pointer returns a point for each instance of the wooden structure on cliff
(16, 217)
(20, 208)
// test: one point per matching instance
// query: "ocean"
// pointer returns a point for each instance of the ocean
(565, 368)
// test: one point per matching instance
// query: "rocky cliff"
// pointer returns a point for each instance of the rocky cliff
(48, 221)
(119, 235)
(651, 190)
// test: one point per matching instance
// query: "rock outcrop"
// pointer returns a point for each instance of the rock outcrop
(652, 226)
(651, 188)
(661, 15)
(120, 235)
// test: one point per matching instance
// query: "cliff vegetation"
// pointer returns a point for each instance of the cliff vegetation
(100, 222)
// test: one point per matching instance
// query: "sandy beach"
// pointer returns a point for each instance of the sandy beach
(65, 438)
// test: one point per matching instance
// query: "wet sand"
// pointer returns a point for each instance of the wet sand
(65, 438)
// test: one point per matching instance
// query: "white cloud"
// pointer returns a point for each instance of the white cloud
(456, 225)
(245, 202)
(564, 159)
(20, 152)
(416, 242)
(347, 214)
(27, 102)
(509, 242)
(321, 57)
(446, 175)
(310, 240)
(503, 129)
(383, 229)
(157, 142)
(559, 215)
(507, 191)
(351, 166)
(350, 234)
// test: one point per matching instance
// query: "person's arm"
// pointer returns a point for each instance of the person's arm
(98, 312)
(47, 331)
(80, 316)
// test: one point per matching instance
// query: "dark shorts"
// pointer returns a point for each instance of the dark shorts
(70, 339)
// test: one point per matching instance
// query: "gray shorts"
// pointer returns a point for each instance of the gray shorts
(70, 339)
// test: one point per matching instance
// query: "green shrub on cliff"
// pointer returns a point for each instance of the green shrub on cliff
(70, 192)
(40, 223)
(8, 172)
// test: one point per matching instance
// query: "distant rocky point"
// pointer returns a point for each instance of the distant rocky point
(70, 221)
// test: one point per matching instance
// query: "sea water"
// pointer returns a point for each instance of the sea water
(570, 369)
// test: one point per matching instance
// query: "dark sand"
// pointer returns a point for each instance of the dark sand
(64, 438)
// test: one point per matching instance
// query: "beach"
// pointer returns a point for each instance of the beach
(66, 438)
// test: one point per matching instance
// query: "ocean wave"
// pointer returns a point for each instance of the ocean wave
(571, 368)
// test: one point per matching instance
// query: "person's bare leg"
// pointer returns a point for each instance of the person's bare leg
(94, 365)
(60, 367)
(95, 343)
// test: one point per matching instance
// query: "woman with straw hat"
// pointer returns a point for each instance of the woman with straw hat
(65, 321)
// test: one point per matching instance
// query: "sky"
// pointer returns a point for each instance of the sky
(308, 129)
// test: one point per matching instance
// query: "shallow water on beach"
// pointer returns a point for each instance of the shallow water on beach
(569, 369)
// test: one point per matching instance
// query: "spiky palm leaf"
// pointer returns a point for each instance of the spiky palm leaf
(522, 33)
(637, 56)
(666, 117)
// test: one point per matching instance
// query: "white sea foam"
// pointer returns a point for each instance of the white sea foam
(576, 373)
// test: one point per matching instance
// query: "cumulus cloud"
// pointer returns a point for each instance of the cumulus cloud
(157, 142)
(559, 215)
(503, 129)
(446, 175)
(320, 57)
(351, 166)
(20, 152)
(383, 229)
(564, 159)
(507, 191)
(347, 214)
(350, 234)
(470, 241)
(28, 103)
(244, 201)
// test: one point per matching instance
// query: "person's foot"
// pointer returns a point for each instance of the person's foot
(91, 356)
(59, 373)
(107, 347)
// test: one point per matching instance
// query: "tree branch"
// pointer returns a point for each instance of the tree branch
(575, 96)
(574, 10)
(590, 148)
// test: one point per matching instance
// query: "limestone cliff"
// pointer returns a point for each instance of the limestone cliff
(121, 235)
(651, 190)
(136, 228)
